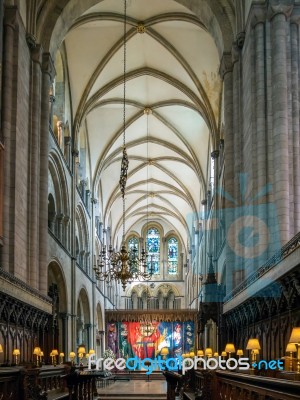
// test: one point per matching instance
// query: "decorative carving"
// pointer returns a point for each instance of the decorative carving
(31, 41)
(215, 154)
(148, 315)
(226, 64)
(280, 7)
(141, 28)
(48, 66)
(240, 40)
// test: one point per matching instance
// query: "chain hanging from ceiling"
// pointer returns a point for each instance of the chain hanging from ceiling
(123, 266)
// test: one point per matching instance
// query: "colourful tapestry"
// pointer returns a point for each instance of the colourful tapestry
(130, 339)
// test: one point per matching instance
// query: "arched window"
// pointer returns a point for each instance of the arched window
(153, 249)
(133, 243)
(172, 256)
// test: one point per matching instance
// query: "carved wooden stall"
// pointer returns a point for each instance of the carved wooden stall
(23, 324)
(271, 313)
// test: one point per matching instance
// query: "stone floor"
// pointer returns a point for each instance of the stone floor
(134, 389)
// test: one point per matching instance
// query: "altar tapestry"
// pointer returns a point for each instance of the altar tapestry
(147, 339)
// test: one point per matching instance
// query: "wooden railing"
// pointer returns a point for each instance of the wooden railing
(236, 386)
(11, 383)
(223, 385)
(44, 383)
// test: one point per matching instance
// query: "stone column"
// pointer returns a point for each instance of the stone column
(295, 121)
(163, 262)
(60, 218)
(8, 131)
(258, 24)
(48, 72)
(53, 223)
(67, 149)
(66, 233)
(226, 75)
(278, 14)
(34, 144)
(51, 103)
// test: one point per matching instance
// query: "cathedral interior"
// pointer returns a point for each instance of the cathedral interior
(150, 198)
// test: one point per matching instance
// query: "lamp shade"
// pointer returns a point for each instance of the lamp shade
(253, 344)
(92, 351)
(239, 352)
(61, 354)
(81, 350)
(54, 352)
(164, 351)
(230, 348)
(16, 352)
(208, 351)
(37, 351)
(192, 354)
(216, 354)
(1, 348)
(72, 354)
(255, 351)
(223, 354)
(291, 348)
(200, 353)
(41, 354)
(295, 336)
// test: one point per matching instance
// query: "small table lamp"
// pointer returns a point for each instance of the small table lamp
(192, 354)
(239, 353)
(61, 356)
(295, 339)
(53, 354)
(16, 353)
(223, 354)
(253, 344)
(90, 353)
(208, 352)
(37, 353)
(81, 353)
(229, 349)
(72, 356)
(291, 348)
(1, 348)
(200, 353)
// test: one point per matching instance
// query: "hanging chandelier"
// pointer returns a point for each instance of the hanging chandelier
(123, 266)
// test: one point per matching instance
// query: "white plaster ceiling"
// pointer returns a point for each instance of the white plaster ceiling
(171, 68)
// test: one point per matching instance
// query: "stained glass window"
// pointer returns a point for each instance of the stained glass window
(133, 243)
(153, 249)
(133, 249)
(172, 256)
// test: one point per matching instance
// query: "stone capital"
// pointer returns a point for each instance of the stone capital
(31, 41)
(215, 154)
(37, 54)
(75, 152)
(295, 17)
(258, 15)
(240, 39)
(235, 53)
(48, 66)
(12, 17)
(226, 64)
(60, 218)
(280, 7)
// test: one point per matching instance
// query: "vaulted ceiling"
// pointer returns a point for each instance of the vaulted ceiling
(173, 100)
